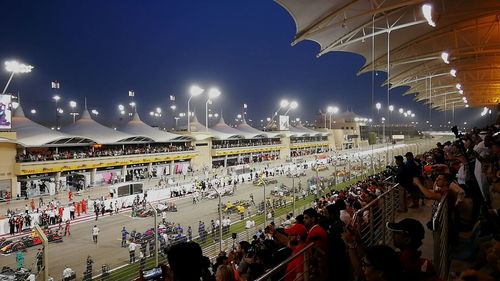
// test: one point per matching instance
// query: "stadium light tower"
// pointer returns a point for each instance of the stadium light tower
(193, 92)
(15, 67)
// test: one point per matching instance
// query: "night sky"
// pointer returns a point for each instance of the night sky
(103, 49)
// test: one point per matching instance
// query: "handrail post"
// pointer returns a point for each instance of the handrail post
(45, 244)
(156, 233)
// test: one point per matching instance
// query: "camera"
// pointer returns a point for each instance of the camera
(155, 273)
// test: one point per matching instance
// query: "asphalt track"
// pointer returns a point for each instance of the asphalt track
(75, 248)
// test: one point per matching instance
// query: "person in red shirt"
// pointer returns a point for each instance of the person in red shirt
(70, 196)
(316, 233)
(84, 206)
(78, 208)
(297, 235)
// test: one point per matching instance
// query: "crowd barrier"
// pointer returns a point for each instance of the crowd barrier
(440, 237)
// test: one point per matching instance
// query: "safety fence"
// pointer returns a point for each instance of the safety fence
(440, 225)
(370, 221)
(307, 264)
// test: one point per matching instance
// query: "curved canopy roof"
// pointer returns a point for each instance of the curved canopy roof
(31, 134)
(467, 30)
(222, 127)
(255, 133)
(136, 127)
(201, 132)
(300, 131)
(87, 127)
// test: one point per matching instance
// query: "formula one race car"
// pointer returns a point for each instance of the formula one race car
(167, 207)
(267, 181)
(11, 246)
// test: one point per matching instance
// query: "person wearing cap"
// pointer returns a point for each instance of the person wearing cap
(407, 238)
(297, 235)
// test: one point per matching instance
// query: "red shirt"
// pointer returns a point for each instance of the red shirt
(295, 266)
(318, 235)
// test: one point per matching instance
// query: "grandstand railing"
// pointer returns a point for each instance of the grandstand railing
(370, 221)
(440, 236)
(309, 254)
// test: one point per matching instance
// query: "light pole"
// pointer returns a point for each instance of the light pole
(391, 109)
(378, 106)
(72, 104)
(212, 94)
(193, 92)
(56, 99)
(328, 110)
(220, 219)
(334, 111)
(15, 67)
(293, 105)
(176, 119)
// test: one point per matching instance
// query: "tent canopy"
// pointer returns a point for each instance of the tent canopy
(86, 126)
(136, 127)
(397, 29)
(31, 134)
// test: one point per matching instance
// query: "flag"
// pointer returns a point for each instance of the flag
(54, 85)
(172, 97)
(244, 105)
(131, 94)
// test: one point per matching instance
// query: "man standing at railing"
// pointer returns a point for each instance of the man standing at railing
(297, 235)
(407, 237)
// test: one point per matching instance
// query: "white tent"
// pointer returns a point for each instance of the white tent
(136, 127)
(222, 127)
(86, 126)
(255, 133)
(31, 134)
(201, 132)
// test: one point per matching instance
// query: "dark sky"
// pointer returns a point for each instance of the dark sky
(102, 49)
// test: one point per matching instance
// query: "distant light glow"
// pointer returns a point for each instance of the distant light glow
(213, 93)
(427, 11)
(284, 103)
(453, 72)
(95, 112)
(56, 98)
(173, 107)
(294, 105)
(391, 108)
(445, 56)
(195, 90)
(461, 92)
(458, 86)
(121, 107)
(72, 104)
(401, 111)
(33, 111)
(16, 67)
(158, 110)
(378, 105)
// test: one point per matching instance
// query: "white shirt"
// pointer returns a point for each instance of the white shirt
(345, 217)
(71, 208)
(131, 247)
(95, 231)
(67, 272)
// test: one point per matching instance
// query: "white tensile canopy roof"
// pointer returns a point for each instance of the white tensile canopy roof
(398, 30)
(31, 134)
(244, 127)
(301, 131)
(222, 127)
(136, 127)
(86, 126)
(201, 132)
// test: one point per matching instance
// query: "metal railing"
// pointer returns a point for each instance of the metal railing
(440, 225)
(312, 263)
(369, 222)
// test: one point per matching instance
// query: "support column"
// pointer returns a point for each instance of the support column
(57, 178)
(225, 161)
(124, 173)
(150, 170)
(172, 167)
(93, 175)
